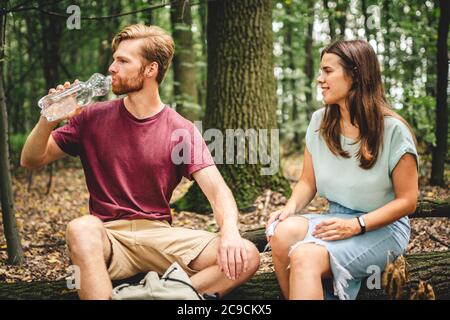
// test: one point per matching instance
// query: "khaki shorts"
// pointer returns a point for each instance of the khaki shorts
(140, 246)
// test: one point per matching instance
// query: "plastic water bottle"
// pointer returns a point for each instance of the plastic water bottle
(57, 105)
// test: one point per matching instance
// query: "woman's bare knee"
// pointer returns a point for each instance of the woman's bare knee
(310, 258)
(287, 233)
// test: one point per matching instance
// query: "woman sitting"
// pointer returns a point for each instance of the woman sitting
(362, 157)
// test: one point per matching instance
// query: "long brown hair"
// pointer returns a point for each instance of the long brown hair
(366, 102)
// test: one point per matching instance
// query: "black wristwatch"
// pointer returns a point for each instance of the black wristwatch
(362, 224)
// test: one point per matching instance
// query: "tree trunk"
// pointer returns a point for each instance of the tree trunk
(336, 16)
(112, 25)
(50, 36)
(309, 62)
(284, 102)
(15, 252)
(184, 75)
(292, 81)
(431, 53)
(241, 95)
(148, 15)
(440, 151)
(366, 18)
(15, 69)
(35, 58)
(51, 30)
(202, 21)
(341, 16)
(387, 36)
(331, 22)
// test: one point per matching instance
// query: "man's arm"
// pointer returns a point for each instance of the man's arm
(232, 256)
(40, 148)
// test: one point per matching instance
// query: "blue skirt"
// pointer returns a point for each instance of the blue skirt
(358, 257)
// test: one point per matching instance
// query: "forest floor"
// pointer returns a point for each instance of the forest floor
(42, 219)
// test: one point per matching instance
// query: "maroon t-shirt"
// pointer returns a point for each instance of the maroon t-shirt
(128, 162)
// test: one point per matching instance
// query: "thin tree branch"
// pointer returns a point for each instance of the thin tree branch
(18, 8)
(64, 15)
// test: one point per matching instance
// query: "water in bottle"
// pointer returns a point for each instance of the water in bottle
(57, 105)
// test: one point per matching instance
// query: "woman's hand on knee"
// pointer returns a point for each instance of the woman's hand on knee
(336, 229)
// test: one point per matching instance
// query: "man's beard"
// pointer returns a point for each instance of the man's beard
(131, 85)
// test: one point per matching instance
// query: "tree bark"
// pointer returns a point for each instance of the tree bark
(309, 62)
(440, 151)
(292, 81)
(241, 94)
(336, 16)
(112, 25)
(184, 76)
(15, 252)
(366, 18)
(432, 209)
(433, 267)
(331, 22)
(50, 35)
(341, 16)
(13, 69)
(202, 22)
(387, 38)
(35, 58)
(430, 85)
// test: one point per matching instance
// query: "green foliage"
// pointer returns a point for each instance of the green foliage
(16, 142)
(405, 39)
(407, 56)
(421, 116)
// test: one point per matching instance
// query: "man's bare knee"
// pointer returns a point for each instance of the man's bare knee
(85, 235)
(207, 257)
(253, 257)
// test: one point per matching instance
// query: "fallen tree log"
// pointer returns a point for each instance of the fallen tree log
(432, 209)
(432, 267)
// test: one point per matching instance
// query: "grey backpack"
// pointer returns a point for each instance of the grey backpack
(173, 285)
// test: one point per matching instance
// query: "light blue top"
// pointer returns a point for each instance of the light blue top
(342, 180)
